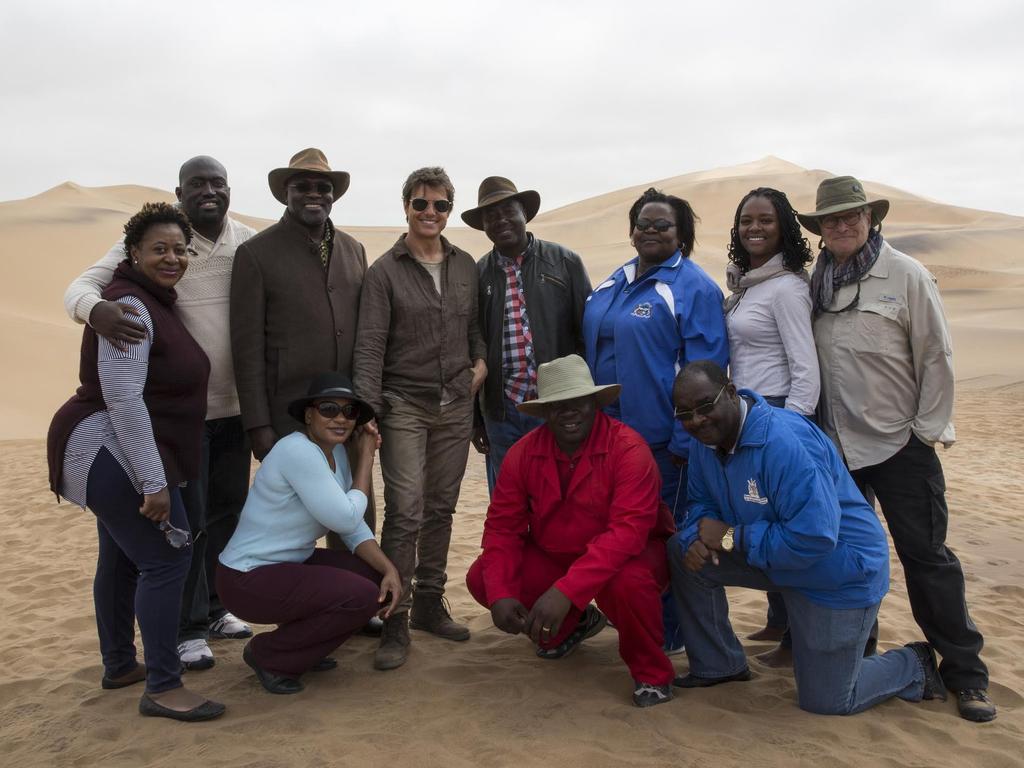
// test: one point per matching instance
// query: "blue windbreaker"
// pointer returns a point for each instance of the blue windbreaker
(669, 317)
(798, 514)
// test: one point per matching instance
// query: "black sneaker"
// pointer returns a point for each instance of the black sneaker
(934, 688)
(647, 695)
(975, 705)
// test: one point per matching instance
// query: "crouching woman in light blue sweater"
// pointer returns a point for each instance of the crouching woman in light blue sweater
(271, 571)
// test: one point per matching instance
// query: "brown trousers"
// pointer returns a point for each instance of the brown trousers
(422, 459)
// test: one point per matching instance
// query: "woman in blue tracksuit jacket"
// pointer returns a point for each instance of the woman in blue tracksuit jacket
(655, 314)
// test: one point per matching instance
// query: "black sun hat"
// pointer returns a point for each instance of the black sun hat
(325, 386)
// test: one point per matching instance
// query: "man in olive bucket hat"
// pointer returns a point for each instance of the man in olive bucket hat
(295, 302)
(577, 516)
(886, 399)
(532, 294)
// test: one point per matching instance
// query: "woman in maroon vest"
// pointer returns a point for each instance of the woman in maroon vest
(121, 446)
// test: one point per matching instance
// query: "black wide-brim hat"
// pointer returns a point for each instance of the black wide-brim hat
(326, 386)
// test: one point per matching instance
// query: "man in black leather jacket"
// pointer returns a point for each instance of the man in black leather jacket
(532, 294)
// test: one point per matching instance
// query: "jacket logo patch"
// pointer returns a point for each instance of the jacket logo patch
(752, 495)
(642, 310)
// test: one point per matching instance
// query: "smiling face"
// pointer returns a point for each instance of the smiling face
(758, 230)
(428, 223)
(505, 226)
(653, 246)
(845, 238)
(571, 421)
(204, 193)
(329, 432)
(310, 197)
(162, 254)
(718, 425)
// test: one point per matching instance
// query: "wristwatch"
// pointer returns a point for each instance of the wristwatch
(727, 542)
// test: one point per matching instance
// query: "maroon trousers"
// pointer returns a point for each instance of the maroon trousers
(317, 605)
(631, 599)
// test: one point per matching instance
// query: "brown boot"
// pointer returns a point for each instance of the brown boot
(394, 643)
(430, 613)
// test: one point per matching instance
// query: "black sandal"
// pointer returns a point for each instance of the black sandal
(591, 622)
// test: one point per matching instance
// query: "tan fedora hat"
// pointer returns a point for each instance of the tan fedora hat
(843, 193)
(495, 189)
(310, 160)
(566, 379)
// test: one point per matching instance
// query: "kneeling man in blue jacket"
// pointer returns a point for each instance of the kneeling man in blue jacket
(772, 507)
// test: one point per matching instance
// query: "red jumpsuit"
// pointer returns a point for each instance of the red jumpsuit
(593, 525)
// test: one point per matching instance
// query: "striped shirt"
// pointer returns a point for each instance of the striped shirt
(124, 428)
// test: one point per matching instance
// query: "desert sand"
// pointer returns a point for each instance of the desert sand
(490, 701)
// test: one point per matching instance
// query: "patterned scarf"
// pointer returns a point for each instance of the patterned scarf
(829, 277)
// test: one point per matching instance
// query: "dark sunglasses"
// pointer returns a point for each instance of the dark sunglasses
(441, 206)
(700, 410)
(659, 225)
(305, 187)
(330, 410)
(176, 537)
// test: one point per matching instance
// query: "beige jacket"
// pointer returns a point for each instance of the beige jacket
(886, 364)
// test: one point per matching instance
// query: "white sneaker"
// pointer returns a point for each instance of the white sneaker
(231, 626)
(195, 654)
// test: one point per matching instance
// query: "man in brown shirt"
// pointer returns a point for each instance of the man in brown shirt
(419, 362)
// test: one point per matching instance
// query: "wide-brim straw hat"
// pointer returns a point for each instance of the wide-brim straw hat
(566, 379)
(496, 189)
(327, 386)
(310, 160)
(842, 193)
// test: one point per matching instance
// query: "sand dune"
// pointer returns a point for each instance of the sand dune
(46, 240)
(490, 701)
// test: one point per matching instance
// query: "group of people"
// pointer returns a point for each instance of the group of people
(631, 476)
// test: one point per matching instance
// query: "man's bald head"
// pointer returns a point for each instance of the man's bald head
(204, 194)
(202, 165)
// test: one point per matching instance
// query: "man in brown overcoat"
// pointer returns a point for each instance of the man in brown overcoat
(294, 301)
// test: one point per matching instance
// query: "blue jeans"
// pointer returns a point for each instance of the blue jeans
(502, 435)
(673, 493)
(833, 677)
(138, 576)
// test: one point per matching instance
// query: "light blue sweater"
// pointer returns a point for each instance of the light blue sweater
(294, 500)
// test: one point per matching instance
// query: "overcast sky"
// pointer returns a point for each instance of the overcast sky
(570, 98)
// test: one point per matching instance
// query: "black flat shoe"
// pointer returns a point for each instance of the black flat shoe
(112, 684)
(325, 664)
(692, 681)
(208, 710)
(273, 683)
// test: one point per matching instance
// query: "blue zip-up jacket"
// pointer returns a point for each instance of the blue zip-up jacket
(798, 515)
(669, 317)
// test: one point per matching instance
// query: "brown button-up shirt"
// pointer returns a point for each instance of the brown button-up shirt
(290, 318)
(414, 341)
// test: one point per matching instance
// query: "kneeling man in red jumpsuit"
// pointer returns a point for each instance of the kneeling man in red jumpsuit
(576, 516)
